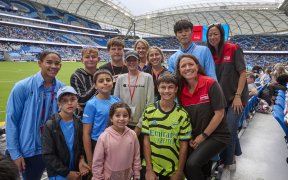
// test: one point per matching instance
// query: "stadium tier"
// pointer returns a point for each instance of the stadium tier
(68, 40)
(39, 11)
(262, 43)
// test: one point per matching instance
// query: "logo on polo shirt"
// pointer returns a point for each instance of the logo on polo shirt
(204, 97)
(226, 58)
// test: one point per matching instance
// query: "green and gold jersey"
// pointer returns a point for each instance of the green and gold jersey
(165, 131)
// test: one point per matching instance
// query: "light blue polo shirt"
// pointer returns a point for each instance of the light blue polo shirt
(96, 112)
(202, 53)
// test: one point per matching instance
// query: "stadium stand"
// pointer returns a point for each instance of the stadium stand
(279, 112)
(261, 42)
(77, 37)
(38, 11)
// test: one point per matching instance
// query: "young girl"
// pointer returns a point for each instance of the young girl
(62, 146)
(96, 111)
(117, 153)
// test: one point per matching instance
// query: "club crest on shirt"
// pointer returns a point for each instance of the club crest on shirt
(204, 97)
(226, 58)
(154, 122)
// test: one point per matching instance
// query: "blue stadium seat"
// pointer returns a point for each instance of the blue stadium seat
(281, 93)
(281, 102)
(278, 114)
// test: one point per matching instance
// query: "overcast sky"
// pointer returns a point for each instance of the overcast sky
(139, 7)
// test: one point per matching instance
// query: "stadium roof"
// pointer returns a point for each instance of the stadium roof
(245, 17)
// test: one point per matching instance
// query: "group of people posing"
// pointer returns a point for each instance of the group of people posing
(131, 118)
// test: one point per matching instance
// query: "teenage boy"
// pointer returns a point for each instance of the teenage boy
(167, 130)
(183, 30)
(62, 146)
(82, 79)
(116, 67)
(30, 103)
(135, 88)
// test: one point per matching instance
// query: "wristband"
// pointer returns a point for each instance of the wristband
(204, 135)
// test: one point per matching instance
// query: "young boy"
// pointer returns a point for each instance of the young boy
(82, 79)
(167, 130)
(135, 88)
(62, 146)
(116, 67)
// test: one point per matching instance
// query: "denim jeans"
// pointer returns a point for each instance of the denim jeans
(233, 148)
(34, 168)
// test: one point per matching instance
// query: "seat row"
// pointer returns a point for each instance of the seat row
(280, 111)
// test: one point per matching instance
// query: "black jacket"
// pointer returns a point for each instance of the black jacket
(83, 83)
(148, 69)
(54, 149)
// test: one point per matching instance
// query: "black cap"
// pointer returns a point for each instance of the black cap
(131, 54)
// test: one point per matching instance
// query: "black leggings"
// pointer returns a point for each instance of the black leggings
(141, 142)
(93, 145)
(200, 157)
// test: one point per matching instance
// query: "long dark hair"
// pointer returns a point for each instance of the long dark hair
(118, 105)
(221, 43)
(181, 80)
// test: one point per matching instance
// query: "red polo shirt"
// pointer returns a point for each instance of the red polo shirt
(228, 72)
(206, 98)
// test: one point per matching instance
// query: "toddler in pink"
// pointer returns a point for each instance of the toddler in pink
(117, 152)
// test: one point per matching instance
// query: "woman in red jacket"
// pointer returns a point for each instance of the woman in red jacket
(231, 74)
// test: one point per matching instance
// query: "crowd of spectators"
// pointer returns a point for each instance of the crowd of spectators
(29, 33)
(19, 50)
(265, 60)
(45, 25)
(68, 53)
(71, 53)
(35, 10)
(164, 42)
(247, 43)
(261, 43)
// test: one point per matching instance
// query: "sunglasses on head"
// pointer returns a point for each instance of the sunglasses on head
(88, 47)
(214, 24)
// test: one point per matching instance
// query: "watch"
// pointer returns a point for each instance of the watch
(204, 135)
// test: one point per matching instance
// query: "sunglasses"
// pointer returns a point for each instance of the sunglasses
(215, 24)
(89, 47)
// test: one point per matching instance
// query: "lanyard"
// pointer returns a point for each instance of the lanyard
(114, 74)
(44, 104)
(156, 75)
(134, 88)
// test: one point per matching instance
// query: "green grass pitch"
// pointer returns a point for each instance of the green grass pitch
(11, 72)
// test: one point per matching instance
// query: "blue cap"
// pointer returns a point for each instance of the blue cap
(65, 89)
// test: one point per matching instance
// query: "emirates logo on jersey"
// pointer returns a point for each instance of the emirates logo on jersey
(204, 97)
